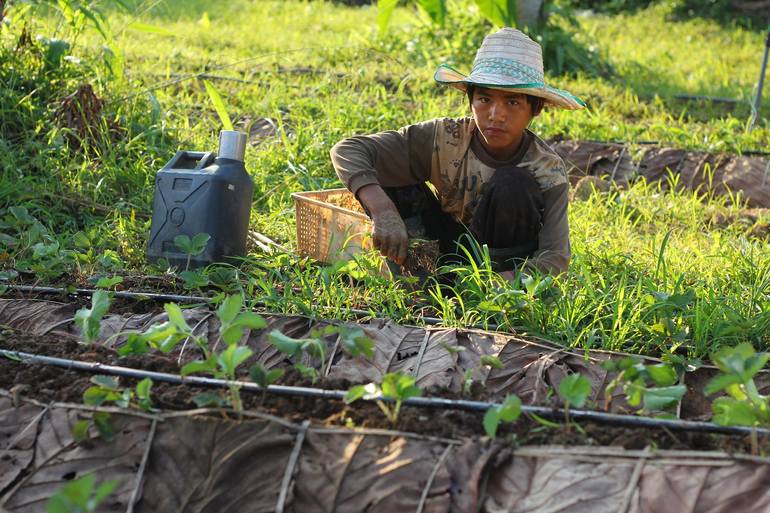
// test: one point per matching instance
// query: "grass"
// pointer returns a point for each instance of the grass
(654, 271)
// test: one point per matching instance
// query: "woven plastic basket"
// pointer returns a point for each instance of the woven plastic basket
(331, 225)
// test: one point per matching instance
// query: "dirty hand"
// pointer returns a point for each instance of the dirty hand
(390, 235)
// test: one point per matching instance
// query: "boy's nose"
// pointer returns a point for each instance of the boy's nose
(496, 112)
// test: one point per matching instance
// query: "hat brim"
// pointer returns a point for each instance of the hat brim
(447, 75)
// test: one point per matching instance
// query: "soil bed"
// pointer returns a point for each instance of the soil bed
(47, 383)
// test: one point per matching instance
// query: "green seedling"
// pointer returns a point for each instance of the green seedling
(508, 411)
(493, 362)
(650, 387)
(164, 336)
(263, 377)
(743, 405)
(191, 247)
(395, 386)
(234, 322)
(107, 389)
(80, 496)
(294, 347)
(573, 390)
(223, 366)
(194, 279)
(108, 282)
(89, 319)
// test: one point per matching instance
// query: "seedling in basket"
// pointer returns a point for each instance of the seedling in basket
(388, 395)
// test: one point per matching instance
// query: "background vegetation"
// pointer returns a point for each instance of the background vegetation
(653, 271)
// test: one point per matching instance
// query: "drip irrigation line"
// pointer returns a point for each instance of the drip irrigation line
(420, 402)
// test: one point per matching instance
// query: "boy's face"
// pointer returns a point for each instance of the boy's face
(501, 117)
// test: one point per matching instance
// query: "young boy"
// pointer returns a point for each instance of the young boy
(494, 178)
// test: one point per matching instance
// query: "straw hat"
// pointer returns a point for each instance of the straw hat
(510, 60)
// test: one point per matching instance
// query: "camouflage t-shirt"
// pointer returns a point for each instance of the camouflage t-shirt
(447, 153)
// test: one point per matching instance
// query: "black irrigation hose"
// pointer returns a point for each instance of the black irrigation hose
(422, 402)
(199, 299)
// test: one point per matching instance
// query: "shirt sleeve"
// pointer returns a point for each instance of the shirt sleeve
(394, 158)
(553, 253)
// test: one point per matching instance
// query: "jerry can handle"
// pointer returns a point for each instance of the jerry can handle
(202, 158)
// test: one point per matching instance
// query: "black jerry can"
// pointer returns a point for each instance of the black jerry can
(198, 192)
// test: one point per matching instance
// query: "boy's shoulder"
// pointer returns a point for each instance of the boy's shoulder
(547, 166)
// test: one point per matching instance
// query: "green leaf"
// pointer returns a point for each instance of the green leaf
(263, 377)
(107, 283)
(103, 425)
(194, 279)
(232, 357)
(729, 412)
(108, 382)
(80, 430)
(510, 410)
(662, 374)
(183, 243)
(663, 397)
(491, 421)
(574, 389)
(209, 366)
(150, 29)
(720, 382)
(176, 317)
(95, 396)
(284, 344)
(436, 10)
(232, 334)
(385, 10)
(198, 242)
(219, 105)
(250, 320)
(103, 491)
(229, 308)
(491, 361)
(135, 345)
(355, 393)
(143, 388)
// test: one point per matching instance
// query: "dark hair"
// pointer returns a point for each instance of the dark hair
(535, 102)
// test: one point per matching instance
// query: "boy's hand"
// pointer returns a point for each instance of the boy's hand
(390, 235)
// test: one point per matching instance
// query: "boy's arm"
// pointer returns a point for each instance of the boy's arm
(553, 253)
(365, 164)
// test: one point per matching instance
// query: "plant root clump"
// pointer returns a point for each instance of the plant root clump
(82, 115)
(421, 257)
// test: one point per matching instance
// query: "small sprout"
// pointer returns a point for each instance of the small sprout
(234, 322)
(508, 411)
(263, 377)
(194, 279)
(80, 496)
(108, 283)
(191, 247)
(743, 405)
(467, 381)
(395, 387)
(573, 390)
(491, 361)
(293, 347)
(649, 386)
(89, 319)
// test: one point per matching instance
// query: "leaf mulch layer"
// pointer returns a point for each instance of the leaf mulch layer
(440, 359)
(46, 383)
